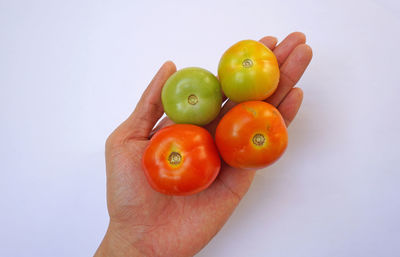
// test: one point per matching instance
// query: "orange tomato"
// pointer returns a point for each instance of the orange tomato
(248, 70)
(251, 135)
(181, 159)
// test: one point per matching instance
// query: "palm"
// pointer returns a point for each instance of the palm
(164, 225)
(169, 220)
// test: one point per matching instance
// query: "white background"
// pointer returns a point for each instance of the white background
(71, 71)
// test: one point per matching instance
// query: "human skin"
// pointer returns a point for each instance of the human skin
(144, 222)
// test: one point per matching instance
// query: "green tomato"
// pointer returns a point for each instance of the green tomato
(192, 95)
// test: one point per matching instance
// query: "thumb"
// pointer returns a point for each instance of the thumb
(148, 110)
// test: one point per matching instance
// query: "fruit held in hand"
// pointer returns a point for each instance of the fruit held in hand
(251, 135)
(248, 70)
(192, 95)
(181, 159)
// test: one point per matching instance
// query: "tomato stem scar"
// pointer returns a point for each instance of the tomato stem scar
(258, 139)
(192, 99)
(247, 63)
(174, 158)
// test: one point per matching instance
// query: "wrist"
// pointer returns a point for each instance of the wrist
(114, 245)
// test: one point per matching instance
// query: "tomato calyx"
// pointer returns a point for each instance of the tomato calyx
(193, 100)
(174, 158)
(247, 63)
(258, 139)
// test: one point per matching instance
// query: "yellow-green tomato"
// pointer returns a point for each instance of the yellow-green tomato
(248, 70)
(192, 95)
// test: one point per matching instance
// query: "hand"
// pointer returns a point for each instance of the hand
(144, 222)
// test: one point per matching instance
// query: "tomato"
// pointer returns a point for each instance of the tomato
(192, 95)
(181, 159)
(248, 70)
(251, 135)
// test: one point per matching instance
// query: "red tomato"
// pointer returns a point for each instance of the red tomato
(251, 135)
(181, 159)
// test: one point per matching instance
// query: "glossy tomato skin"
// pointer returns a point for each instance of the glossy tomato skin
(181, 159)
(252, 135)
(192, 95)
(248, 70)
